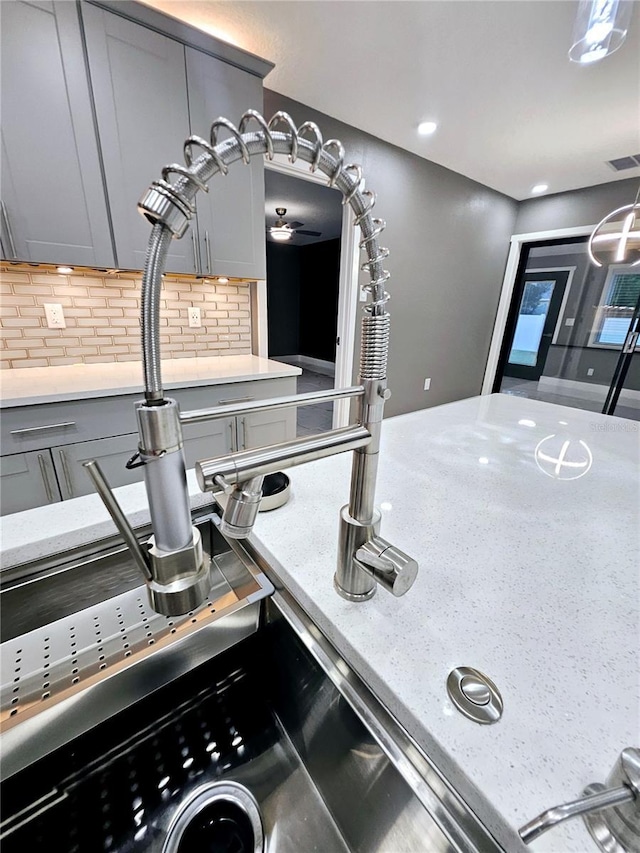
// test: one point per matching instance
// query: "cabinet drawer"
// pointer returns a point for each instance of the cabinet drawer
(26, 428)
(234, 392)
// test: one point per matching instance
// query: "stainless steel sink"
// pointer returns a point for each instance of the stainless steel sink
(270, 743)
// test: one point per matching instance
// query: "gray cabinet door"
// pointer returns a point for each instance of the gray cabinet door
(140, 91)
(52, 185)
(264, 428)
(206, 440)
(27, 480)
(231, 220)
(111, 453)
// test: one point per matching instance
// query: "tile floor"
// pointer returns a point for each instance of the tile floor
(530, 389)
(313, 419)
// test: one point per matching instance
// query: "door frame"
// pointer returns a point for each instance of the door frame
(348, 291)
(508, 285)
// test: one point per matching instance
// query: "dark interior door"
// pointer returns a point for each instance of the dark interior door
(537, 307)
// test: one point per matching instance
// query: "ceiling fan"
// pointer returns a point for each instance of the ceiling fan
(282, 231)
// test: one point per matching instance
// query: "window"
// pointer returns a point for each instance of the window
(619, 298)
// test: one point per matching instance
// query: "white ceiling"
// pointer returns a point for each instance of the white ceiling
(512, 110)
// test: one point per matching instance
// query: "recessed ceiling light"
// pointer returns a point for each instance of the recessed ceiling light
(64, 270)
(539, 188)
(426, 128)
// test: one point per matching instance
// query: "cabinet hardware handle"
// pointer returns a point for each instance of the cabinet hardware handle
(244, 434)
(66, 472)
(45, 478)
(207, 243)
(27, 430)
(234, 437)
(7, 228)
(195, 252)
(235, 400)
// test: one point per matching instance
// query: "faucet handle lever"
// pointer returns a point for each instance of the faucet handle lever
(391, 567)
(119, 518)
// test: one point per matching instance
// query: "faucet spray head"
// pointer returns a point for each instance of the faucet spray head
(242, 508)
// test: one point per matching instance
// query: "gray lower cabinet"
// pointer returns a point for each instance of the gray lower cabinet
(264, 428)
(231, 237)
(27, 480)
(204, 441)
(112, 455)
(139, 86)
(44, 446)
(54, 207)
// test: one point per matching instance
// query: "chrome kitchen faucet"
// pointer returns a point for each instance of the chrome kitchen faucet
(172, 560)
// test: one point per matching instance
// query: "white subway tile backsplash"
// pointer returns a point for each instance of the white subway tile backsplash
(102, 316)
(30, 362)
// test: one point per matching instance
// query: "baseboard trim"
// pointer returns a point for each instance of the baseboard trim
(327, 368)
(587, 390)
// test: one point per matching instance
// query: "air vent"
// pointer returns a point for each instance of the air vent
(623, 163)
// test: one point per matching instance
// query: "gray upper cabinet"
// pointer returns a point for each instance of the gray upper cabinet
(55, 208)
(139, 85)
(231, 218)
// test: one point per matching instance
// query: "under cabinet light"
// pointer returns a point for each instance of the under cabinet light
(64, 270)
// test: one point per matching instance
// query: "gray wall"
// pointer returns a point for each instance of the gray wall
(448, 237)
(579, 207)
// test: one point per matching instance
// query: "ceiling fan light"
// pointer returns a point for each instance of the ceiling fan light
(281, 234)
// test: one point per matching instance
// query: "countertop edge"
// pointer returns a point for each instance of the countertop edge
(283, 372)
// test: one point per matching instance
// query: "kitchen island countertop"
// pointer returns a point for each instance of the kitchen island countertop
(34, 385)
(524, 519)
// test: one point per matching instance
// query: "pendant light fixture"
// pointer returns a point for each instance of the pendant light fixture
(618, 232)
(600, 29)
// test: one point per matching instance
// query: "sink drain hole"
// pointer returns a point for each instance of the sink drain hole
(222, 817)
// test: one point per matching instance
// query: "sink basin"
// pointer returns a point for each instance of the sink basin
(271, 744)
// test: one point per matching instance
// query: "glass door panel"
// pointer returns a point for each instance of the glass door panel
(568, 325)
(537, 318)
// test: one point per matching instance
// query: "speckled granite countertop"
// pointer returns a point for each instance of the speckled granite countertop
(531, 578)
(525, 574)
(34, 385)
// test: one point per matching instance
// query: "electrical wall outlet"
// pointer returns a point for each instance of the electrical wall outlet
(363, 294)
(195, 320)
(590, 371)
(427, 384)
(55, 316)
(570, 321)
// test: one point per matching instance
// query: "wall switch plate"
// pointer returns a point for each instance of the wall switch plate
(363, 294)
(590, 371)
(569, 321)
(427, 384)
(55, 316)
(195, 319)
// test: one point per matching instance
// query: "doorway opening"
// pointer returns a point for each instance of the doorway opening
(571, 330)
(311, 287)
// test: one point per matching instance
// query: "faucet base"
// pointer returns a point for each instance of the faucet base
(181, 579)
(352, 596)
(350, 581)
